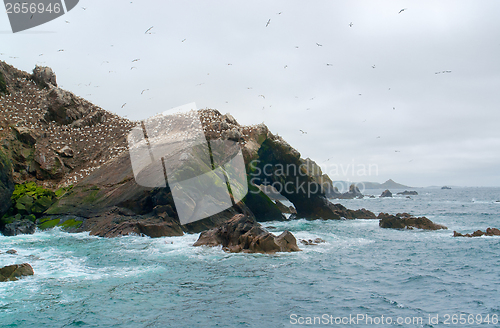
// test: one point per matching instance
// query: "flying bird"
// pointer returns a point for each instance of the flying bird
(329, 64)
(131, 68)
(285, 66)
(262, 96)
(136, 60)
(351, 24)
(303, 132)
(269, 21)
(60, 50)
(373, 66)
(402, 10)
(149, 29)
(84, 8)
(124, 105)
(144, 90)
(183, 40)
(319, 45)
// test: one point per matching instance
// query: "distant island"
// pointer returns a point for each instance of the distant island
(445, 187)
(389, 184)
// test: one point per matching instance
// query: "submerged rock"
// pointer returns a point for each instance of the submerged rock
(406, 221)
(244, 234)
(479, 233)
(311, 242)
(16, 271)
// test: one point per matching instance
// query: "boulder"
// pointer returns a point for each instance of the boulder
(16, 271)
(386, 193)
(479, 233)
(244, 234)
(44, 76)
(407, 221)
(6, 184)
(11, 252)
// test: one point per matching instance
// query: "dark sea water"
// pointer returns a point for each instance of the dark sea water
(361, 271)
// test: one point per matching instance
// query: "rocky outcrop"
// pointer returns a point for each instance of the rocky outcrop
(445, 187)
(479, 233)
(285, 209)
(244, 234)
(407, 221)
(6, 184)
(386, 193)
(16, 271)
(363, 214)
(44, 77)
(407, 193)
(19, 227)
(351, 194)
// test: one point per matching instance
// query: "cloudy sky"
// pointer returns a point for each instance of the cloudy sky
(361, 95)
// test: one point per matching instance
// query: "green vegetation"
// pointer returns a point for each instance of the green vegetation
(29, 201)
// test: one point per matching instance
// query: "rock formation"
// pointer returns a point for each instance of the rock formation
(407, 221)
(386, 193)
(16, 271)
(479, 233)
(244, 234)
(408, 193)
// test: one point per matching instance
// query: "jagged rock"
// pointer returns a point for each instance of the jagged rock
(66, 151)
(406, 192)
(44, 76)
(386, 193)
(479, 233)
(24, 135)
(6, 184)
(285, 209)
(65, 108)
(230, 119)
(16, 271)
(47, 164)
(351, 194)
(244, 234)
(19, 227)
(406, 221)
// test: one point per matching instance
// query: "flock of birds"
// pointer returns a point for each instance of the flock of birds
(93, 145)
(96, 144)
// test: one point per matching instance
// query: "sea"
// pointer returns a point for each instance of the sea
(361, 276)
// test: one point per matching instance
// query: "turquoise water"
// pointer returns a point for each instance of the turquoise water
(361, 269)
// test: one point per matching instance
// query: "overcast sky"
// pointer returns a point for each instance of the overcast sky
(364, 94)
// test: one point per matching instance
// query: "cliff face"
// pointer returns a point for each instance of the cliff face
(57, 139)
(6, 184)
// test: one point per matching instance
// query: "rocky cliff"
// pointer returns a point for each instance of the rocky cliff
(78, 151)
